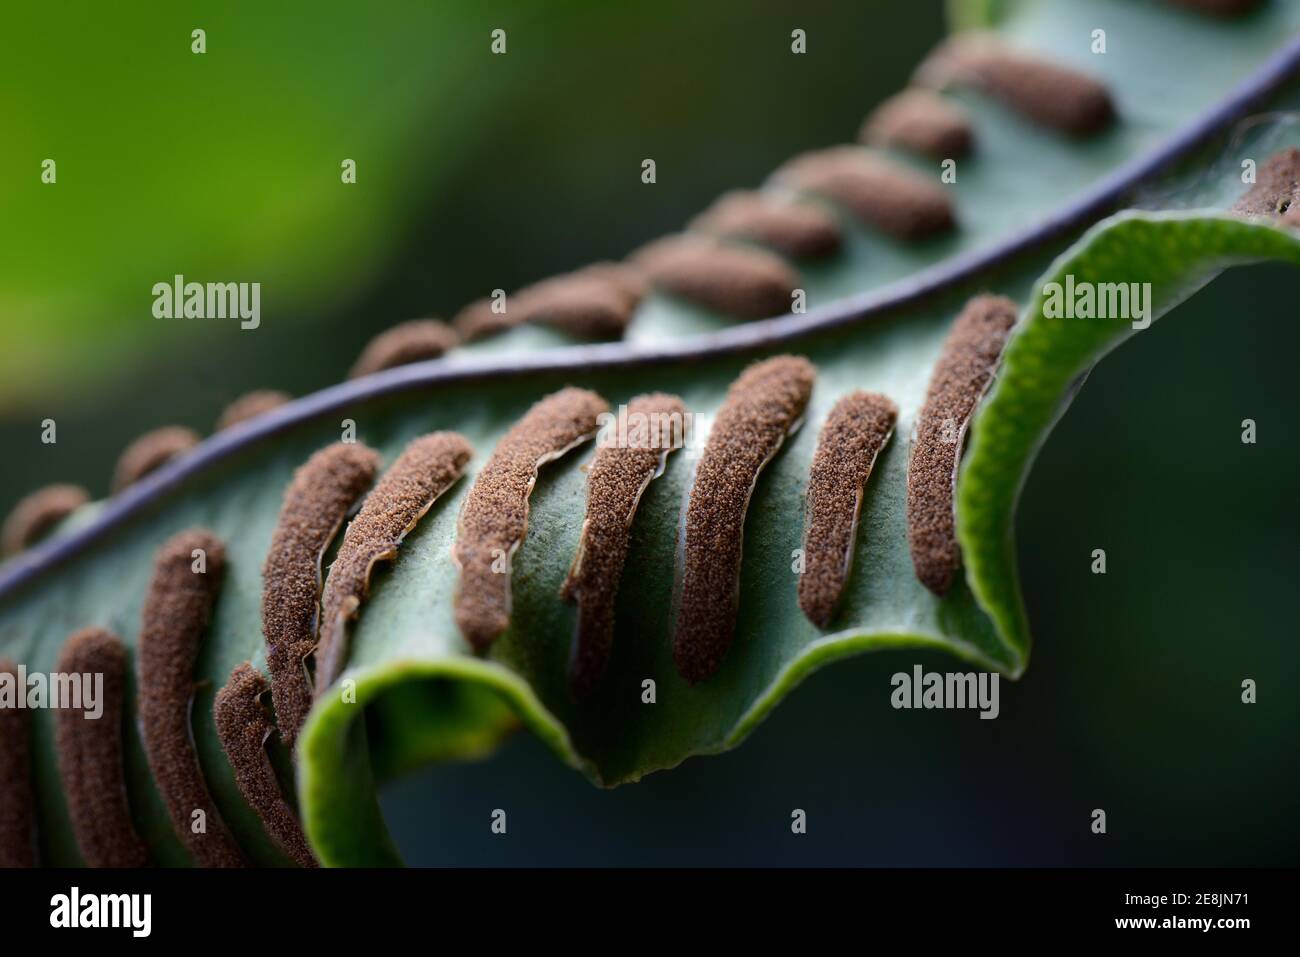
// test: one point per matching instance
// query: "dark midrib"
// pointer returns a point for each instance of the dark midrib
(1101, 198)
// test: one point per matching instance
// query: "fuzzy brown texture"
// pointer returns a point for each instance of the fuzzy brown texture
(403, 344)
(37, 514)
(478, 320)
(89, 753)
(615, 482)
(177, 610)
(244, 727)
(596, 302)
(761, 408)
(251, 405)
(17, 814)
(745, 282)
(317, 501)
(1219, 8)
(855, 432)
(794, 229)
(427, 467)
(1055, 96)
(494, 520)
(1276, 191)
(920, 121)
(962, 374)
(898, 201)
(151, 451)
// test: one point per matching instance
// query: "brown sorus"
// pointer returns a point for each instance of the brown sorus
(1277, 187)
(37, 514)
(316, 503)
(962, 374)
(244, 727)
(494, 520)
(618, 476)
(1047, 93)
(427, 467)
(480, 319)
(250, 406)
(187, 573)
(17, 815)
(855, 432)
(89, 752)
(741, 281)
(596, 302)
(761, 408)
(800, 230)
(151, 451)
(920, 121)
(403, 344)
(897, 201)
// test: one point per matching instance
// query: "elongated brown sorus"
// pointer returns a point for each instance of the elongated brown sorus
(898, 201)
(481, 319)
(920, 121)
(595, 302)
(89, 752)
(1276, 191)
(151, 451)
(741, 281)
(243, 727)
(406, 342)
(800, 230)
(762, 407)
(427, 467)
(178, 606)
(250, 405)
(961, 376)
(624, 465)
(316, 503)
(1045, 92)
(855, 432)
(494, 519)
(37, 514)
(17, 807)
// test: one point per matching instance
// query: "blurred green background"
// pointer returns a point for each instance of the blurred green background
(477, 171)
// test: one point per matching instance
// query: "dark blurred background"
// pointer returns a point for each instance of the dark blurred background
(477, 171)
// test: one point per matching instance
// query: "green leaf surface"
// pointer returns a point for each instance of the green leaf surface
(422, 696)
(617, 738)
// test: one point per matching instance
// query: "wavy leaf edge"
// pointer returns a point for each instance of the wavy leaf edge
(1007, 434)
(991, 478)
